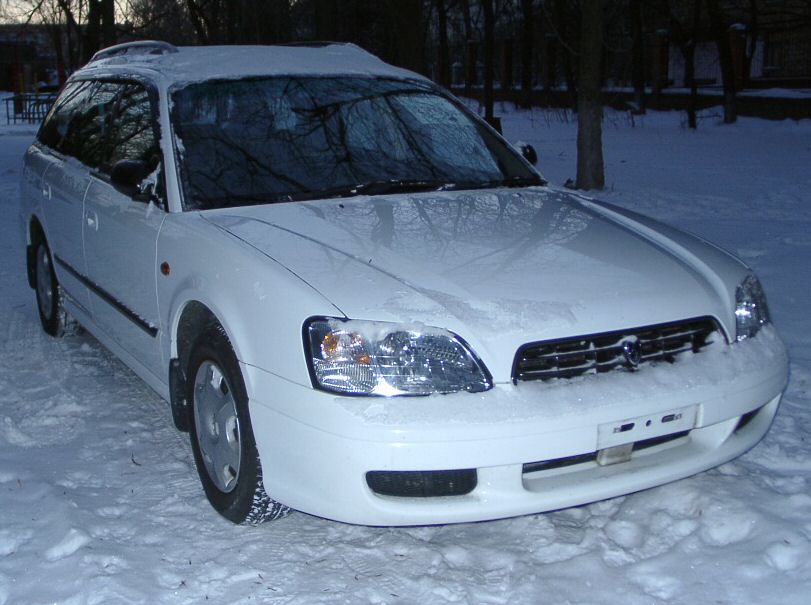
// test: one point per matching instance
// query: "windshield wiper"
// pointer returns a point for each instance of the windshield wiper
(377, 188)
(388, 186)
(513, 181)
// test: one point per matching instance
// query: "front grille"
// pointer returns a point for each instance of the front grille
(422, 484)
(592, 354)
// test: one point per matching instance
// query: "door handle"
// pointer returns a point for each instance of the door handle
(92, 220)
(46, 191)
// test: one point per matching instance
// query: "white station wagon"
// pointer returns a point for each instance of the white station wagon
(362, 303)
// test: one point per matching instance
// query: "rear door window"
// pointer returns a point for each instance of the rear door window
(87, 134)
(102, 122)
(77, 126)
(55, 126)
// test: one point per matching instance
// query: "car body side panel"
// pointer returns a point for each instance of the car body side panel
(33, 191)
(260, 304)
(65, 185)
(120, 238)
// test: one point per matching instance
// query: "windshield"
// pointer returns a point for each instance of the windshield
(296, 138)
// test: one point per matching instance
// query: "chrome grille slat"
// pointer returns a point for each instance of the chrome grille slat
(597, 353)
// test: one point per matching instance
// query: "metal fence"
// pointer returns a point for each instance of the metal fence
(28, 107)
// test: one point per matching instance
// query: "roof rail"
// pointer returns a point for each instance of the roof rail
(315, 43)
(142, 47)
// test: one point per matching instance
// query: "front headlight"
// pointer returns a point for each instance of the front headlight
(375, 358)
(751, 310)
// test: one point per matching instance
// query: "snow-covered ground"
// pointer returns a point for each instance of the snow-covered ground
(100, 502)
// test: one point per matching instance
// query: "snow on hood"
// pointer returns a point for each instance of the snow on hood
(499, 267)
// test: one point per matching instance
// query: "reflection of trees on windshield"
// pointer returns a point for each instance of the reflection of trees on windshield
(279, 139)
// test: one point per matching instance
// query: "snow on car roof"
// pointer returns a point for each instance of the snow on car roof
(194, 63)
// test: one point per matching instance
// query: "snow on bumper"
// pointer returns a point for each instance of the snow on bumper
(316, 449)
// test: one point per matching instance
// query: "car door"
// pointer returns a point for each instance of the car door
(69, 139)
(121, 230)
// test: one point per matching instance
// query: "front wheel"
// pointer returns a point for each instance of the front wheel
(221, 434)
(49, 296)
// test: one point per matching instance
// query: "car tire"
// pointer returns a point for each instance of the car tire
(48, 293)
(221, 434)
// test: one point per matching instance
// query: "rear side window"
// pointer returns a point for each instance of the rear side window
(55, 127)
(101, 122)
(86, 138)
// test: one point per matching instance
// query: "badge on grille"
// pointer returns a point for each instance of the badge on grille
(631, 351)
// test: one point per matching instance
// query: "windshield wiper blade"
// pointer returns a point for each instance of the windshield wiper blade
(515, 181)
(378, 188)
(400, 186)
(388, 186)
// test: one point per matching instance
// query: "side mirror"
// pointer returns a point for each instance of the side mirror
(528, 151)
(127, 175)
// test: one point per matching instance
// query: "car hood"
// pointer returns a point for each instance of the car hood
(499, 267)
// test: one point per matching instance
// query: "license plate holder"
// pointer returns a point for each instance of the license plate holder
(650, 426)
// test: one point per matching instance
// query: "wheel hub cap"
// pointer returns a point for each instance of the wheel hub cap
(217, 426)
(45, 292)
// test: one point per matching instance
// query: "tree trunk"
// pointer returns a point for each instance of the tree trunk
(590, 173)
(638, 55)
(721, 35)
(690, 67)
(684, 35)
(198, 22)
(752, 46)
(284, 28)
(108, 35)
(231, 21)
(406, 41)
(551, 78)
(526, 52)
(265, 26)
(690, 80)
(73, 37)
(470, 49)
(489, 51)
(565, 15)
(92, 30)
(55, 29)
(507, 66)
(444, 66)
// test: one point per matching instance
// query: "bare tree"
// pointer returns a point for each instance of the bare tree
(720, 32)
(565, 19)
(637, 55)
(685, 35)
(159, 20)
(444, 62)
(590, 172)
(753, 32)
(392, 29)
(64, 19)
(240, 21)
(528, 29)
(489, 59)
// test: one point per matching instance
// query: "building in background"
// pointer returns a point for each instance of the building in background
(28, 60)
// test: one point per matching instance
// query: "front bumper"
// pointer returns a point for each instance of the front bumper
(316, 448)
